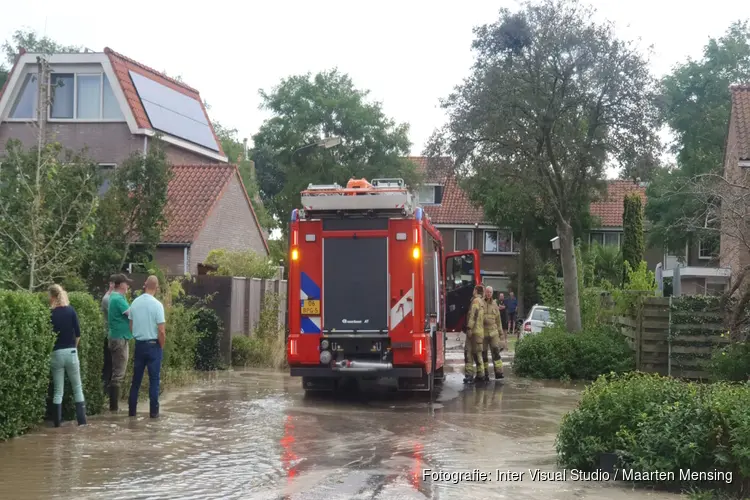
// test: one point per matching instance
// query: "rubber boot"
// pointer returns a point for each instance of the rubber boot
(114, 397)
(154, 410)
(499, 375)
(57, 414)
(479, 379)
(468, 379)
(81, 413)
(486, 377)
(131, 409)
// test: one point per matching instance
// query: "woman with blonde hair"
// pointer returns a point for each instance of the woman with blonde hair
(65, 354)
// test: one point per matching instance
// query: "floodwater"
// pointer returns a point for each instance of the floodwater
(255, 435)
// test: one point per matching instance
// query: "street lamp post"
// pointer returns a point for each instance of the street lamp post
(327, 143)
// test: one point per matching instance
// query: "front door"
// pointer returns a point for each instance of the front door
(461, 276)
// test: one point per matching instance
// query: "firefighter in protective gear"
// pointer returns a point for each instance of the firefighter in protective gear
(474, 337)
(492, 330)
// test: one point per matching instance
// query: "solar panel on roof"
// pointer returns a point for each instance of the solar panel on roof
(174, 113)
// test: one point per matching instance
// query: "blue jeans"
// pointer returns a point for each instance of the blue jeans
(66, 361)
(148, 354)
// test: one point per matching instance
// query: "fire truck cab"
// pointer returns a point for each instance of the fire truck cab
(371, 292)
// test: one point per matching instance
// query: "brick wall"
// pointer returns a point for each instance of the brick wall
(231, 225)
(106, 142)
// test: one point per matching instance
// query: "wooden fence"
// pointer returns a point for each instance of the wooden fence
(671, 340)
(237, 301)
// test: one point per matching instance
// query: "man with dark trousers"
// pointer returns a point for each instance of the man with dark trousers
(119, 335)
(107, 369)
(148, 325)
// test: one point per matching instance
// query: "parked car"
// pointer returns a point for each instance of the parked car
(539, 317)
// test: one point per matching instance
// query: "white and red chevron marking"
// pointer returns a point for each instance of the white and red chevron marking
(402, 309)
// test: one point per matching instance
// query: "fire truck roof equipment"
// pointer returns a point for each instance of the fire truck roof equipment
(359, 195)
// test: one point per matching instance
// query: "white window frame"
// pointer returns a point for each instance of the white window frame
(428, 185)
(700, 252)
(471, 241)
(75, 118)
(497, 231)
(12, 103)
(617, 232)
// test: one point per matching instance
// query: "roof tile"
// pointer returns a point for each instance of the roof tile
(609, 208)
(457, 208)
(191, 195)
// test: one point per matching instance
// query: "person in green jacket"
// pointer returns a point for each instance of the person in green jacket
(118, 320)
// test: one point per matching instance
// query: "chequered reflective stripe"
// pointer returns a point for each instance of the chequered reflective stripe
(310, 324)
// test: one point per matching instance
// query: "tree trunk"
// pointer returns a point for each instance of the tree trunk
(570, 277)
(521, 274)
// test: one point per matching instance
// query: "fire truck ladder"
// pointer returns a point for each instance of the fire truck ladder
(359, 195)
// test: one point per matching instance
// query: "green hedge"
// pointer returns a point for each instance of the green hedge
(554, 353)
(90, 356)
(26, 341)
(656, 423)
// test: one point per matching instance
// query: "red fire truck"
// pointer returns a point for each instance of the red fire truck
(371, 291)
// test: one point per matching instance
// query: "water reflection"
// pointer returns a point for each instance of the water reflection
(255, 435)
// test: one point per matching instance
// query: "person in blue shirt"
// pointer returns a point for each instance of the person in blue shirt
(65, 354)
(511, 304)
(147, 323)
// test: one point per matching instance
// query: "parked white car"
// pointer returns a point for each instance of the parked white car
(539, 317)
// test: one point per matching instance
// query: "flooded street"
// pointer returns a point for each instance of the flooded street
(254, 435)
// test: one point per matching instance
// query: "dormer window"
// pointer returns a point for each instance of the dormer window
(73, 96)
(430, 194)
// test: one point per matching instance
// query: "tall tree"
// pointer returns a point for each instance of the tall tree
(235, 151)
(48, 199)
(553, 96)
(696, 105)
(131, 215)
(307, 109)
(633, 245)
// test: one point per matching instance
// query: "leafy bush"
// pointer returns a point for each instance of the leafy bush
(90, 356)
(267, 347)
(240, 263)
(731, 363)
(26, 341)
(656, 423)
(208, 353)
(554, 354)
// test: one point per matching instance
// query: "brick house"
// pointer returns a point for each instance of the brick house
(464, 227)
(207, 205)
(734, 254)
(112, 106)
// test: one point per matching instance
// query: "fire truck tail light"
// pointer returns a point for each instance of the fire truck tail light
(418, 347)
(292, 347)
(295, 254)
(400, 236)
(415, 253)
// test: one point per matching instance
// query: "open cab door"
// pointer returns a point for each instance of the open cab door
(461, 276)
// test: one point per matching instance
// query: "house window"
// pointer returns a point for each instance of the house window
(499, 284)
(426, 195)
(463, 240)
(498, 241)
(106, 170)
(605, 238)
(708, 248)
(83, 97)
(25, 106)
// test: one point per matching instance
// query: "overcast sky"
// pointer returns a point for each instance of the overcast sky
(408, 53)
